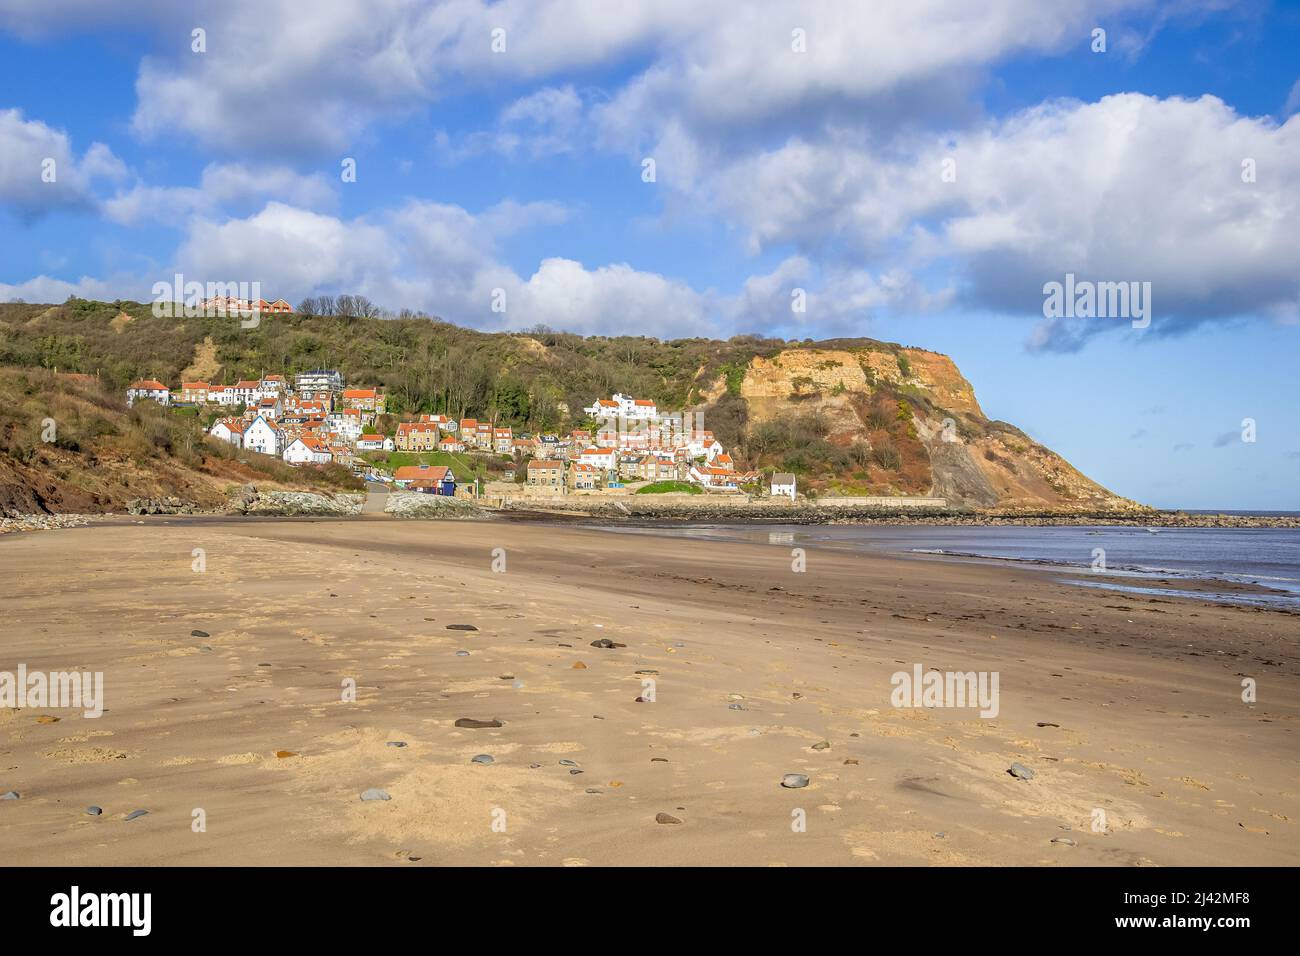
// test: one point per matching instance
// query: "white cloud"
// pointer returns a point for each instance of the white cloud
(287, 81)
(39, 171)
(235, 187)
(1129, 188)
(442, 259)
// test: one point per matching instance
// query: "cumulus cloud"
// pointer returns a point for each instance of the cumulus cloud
(354, 61)
(443, 259)
(1185, 194)
(234, 187)
(40, 171)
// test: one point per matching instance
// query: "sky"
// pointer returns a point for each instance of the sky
(919, 173)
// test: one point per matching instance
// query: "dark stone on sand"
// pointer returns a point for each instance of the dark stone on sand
(566, 762)
(606, 643)
(794, 781)
(822, 745)
(473, 724)
(482, 758)
(658, 759)
(1020, 772)
(94, 811)
(462, 653)
(199, 634)
(1064, 841)
(736, 706)
(1044, 723)
(461, 627)
(135, 815)
(397, 743)
(666, 818)
(374, 793)
(11, 795)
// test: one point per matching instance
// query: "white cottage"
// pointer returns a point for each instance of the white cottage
(307, 451)
(262, 436)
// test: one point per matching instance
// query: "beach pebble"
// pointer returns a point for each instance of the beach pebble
(794, 781)
(579, 666)
(462, 653)
(1020, 772)
(606, 643)
(568, 763)
(135, 814)
(375, 793)
(666, 818)
(473, 724)
(735, 707)
(648, 671)
(482, 758)
(850, 761)
(199, 634)
(461, 627)
(1044, 723)
(658, 759)
(1064, 841)
(574, 772)
(94, 811)
(822, 745)
(11, 795)
(397, 743)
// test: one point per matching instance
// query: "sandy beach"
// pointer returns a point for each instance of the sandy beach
(747, 672)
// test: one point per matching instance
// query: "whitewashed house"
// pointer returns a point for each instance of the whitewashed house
(606, 459)
(262, 436)
(375, 443)
(222, 395)
(150, 389)
(783, 485)
(229, 430)
(306, 450)
(248, 392)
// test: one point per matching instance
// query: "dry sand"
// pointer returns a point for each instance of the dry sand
(249, 724)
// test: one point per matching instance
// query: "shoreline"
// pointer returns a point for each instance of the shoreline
(601, 512)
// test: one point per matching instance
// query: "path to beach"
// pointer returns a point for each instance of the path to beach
(747, 670)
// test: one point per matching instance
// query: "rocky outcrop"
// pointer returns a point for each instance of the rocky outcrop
(250, 501)
(914, 409)
(415, 505)
(43, 522)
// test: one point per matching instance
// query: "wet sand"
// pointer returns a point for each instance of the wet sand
(754, 667)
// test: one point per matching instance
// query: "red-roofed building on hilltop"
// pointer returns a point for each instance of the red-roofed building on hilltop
(148, 388)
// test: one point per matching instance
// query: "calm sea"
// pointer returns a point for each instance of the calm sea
(1269, 557)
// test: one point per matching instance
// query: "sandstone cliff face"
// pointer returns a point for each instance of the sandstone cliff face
(917, 405)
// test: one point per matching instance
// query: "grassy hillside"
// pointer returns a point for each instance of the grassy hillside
(849, 416)
(69, 444)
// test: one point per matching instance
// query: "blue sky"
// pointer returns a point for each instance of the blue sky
(777, 169)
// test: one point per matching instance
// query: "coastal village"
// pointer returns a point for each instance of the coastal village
(315, 418)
